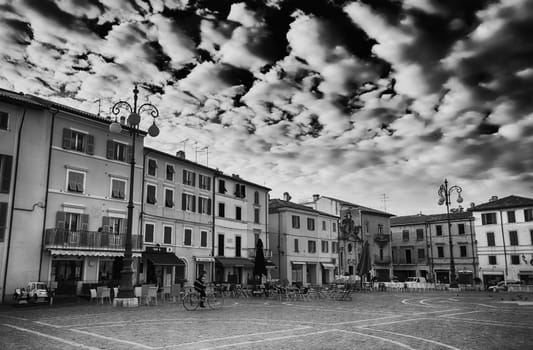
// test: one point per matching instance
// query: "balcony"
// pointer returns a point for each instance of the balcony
(382, 240)
(386, 260)
(266, 252)
(404, 261)
(63, 239)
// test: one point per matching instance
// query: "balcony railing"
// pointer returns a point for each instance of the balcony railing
(266, 252)
(404, 261)
(59, 238)
(386, 260)
(382, 239)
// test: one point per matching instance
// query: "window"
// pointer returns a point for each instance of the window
(4, 119)
(349, 247)
(511, 216)
(405, 235)
(167, 234)
(204, 205)
(256, 198)
(295, 221)
(490, 239)
(528, 214)
(221, 210)
(78, 141)
(204, 182)
(440, 252)
(149, 233)
(439, 230)
(408, 259)
(296, 248)
(150, 194)
(114, 225)
(334, 227)
(256, 215)
(5, 173)
(169, 198)
(310, 224)
(421, 254)
(187, 237)
(118, 151)
(488, 219)
(419, 234)
(72, 221)
(221, 245)
(189, 178)
(203, 239)
(492, 259)
(462, 251)
(380, 229)
(75, 181)
(325, 246)
(513, 237)
(238, 213)
(170, 173)
(334, 247)
(240, 191)
(515, 259)
(311, 246)
(461, 228)
(3, 220)
(118, 189)
(222, 186)
(152, 167)
(323, 225)
(531, 236)
(188, 202)
(238, 241)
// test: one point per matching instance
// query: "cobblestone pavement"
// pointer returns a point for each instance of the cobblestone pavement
(370, 321)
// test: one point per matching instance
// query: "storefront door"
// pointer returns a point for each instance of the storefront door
(66, 273)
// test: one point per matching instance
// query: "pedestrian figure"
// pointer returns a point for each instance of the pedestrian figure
(200, 285)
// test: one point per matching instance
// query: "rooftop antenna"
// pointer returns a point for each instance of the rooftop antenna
(184, 143)
(384, 199)
(206, 150)
(196, 151)
(99, 105)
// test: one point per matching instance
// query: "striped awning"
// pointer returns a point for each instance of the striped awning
(72, 252)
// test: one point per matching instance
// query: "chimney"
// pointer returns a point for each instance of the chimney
(472, 204)
(286, 196)
(316, 197)
(180, 154)
(493, 198)
(123, 120)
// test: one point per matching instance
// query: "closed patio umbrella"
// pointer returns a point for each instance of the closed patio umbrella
(363, 267)
(260, 264)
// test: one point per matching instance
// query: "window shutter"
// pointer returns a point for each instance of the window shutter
(237, 190)
(90, 144)
(209, 206)
(109, 151)
(60, 220)
(183, 201)
(129, 154)
(6, 173)
(66, 138)
(124, 227)
(208, 187)
(194, 203)
(243, 191)
(193, 179)
(105, 223)
(84, 222)
(184, 176)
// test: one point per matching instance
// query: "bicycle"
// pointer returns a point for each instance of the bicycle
(191, 300)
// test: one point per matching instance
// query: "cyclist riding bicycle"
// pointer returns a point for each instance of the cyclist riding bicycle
(200, 286)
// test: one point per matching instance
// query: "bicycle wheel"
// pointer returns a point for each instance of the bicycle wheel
(191, 301)
(215, 300)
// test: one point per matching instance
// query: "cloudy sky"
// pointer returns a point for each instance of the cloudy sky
(350, 99)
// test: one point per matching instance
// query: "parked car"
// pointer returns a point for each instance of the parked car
(504, 286)
(34, 292)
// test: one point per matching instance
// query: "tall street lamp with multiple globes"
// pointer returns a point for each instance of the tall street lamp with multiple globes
(444, 198)
(126, 295)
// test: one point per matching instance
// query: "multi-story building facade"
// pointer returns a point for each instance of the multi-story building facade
(304, 243)
(504, 235)
(67, 208)
(359, 224)
(241, 219)
(177, 215)
(420, 247)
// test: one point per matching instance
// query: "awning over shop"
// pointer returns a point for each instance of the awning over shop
(166, 259)
(298, 262)
(204, 258)
(270, 265)
(89, 253)
(328, 266)
(234, 262)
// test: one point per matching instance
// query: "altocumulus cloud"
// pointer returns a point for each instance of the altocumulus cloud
(346, 98)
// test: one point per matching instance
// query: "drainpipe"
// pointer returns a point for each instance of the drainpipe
(473, 249)
(430, 250)
(46, 189)
(13, 204)
(213, 227)
(279, 245)
(504, 248)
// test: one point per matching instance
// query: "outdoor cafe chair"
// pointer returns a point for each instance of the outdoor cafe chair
(176, 293)
(151, 295)
(94, 296)
(137, 291)
(103, 294)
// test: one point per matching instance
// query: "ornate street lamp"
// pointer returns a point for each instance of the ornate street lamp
(126, 296)
(444, 198)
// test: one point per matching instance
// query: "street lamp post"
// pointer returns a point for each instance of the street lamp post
(126, 296)
(444, 198)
